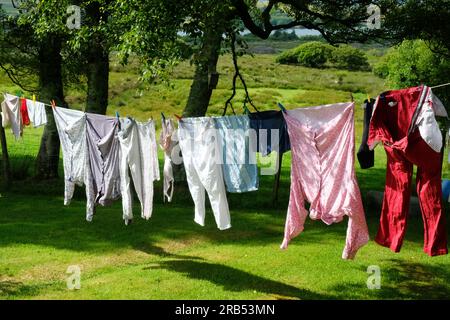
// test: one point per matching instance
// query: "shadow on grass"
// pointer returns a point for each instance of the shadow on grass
(407, 280)
(10, 288)
(232, 279)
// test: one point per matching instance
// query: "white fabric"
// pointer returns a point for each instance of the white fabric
(36, 113)
(426, 121)
(137, 155)
(200, 149)
(71, 126)
(168, 142)
(11, 116)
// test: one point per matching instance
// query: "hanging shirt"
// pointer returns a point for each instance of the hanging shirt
(424, 118)
(11, 116)
(137, 155)
(323, 173)
(103, 185)
(37, 113)
(24, 112)
(271, 131)
(239, 163)
(71, 126)
(168, 141)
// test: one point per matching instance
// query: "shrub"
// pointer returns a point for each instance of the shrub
(287, 57)
(413, 63)
(311, 54)
(348, 58)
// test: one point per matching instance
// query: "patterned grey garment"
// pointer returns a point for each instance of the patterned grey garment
(103, 182)
(168, 142)
(71, 126)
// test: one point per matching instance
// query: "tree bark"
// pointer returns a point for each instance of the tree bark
(98, 65)
(50, 88)
(201, 89)
(7, 180)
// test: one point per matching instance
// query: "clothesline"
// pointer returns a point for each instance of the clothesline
(279, 105)
(441, 85)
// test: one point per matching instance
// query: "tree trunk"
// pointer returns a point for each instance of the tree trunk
(202, 88)
(7, 180)
(50, 88)
(98, 65)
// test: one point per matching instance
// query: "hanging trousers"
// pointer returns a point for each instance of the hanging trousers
(202, 162)
(391, 123)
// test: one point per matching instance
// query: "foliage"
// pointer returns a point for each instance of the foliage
(311, 54)
(346, 57)
(412, 63)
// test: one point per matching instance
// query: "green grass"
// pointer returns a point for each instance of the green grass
(170, 257)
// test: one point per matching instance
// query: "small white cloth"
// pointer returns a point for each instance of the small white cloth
(11, 116)
(426, 120)
(168, 142)
(36, 113)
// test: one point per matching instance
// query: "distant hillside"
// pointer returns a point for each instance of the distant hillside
(8, 7)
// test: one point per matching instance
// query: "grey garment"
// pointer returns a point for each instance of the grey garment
(103, 183)
(71, 126)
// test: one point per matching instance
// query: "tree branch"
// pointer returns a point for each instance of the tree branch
(237, 74)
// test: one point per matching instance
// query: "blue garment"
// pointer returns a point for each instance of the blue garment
(446, 189)
(263, 123)
(239, 165)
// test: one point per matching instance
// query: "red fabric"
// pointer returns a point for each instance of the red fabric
(24, 113)
(390, 125)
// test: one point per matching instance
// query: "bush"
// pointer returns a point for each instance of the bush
(413, 63)
(348, 58)
(287, 57)
(312, 54)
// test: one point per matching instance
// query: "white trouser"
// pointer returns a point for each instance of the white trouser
(137, 154)
(200, 149)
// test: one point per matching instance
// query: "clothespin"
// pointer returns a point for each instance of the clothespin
(351, 97)
(34, 99)
(368, 97)
(117, 115)
(281, 107)
(163, 116)
(246, 111)
(53, 103)
(178, 117)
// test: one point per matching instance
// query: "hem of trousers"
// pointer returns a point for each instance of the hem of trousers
(228, 226)
(243, 191)
(201, 223)
(393, 248)
(440, 252)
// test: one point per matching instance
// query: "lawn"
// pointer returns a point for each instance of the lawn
(170, 257)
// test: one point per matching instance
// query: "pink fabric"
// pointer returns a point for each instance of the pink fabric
(323, 173)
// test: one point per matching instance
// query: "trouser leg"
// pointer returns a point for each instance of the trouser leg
(429, 190)
(396, 200)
